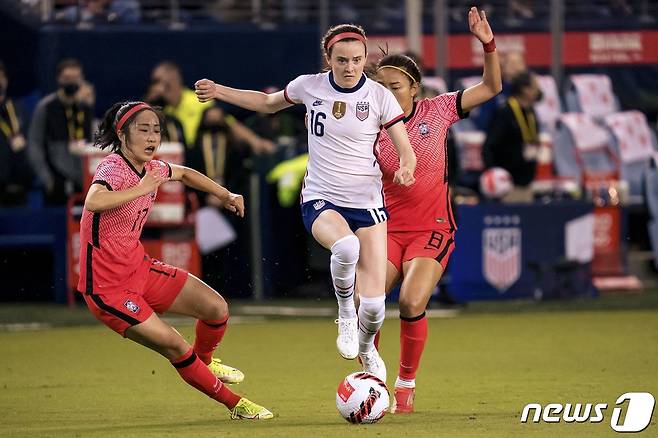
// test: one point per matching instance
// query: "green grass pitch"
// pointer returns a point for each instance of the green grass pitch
(478, 372)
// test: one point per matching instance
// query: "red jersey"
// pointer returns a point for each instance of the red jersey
(426, 204)
(110, 250)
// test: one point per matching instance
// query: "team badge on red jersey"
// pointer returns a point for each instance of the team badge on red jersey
(423, 129)
(339, 109)
(134, 308)
(362, 110)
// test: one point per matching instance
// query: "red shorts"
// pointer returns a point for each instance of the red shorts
(407, 245)
(153, 289)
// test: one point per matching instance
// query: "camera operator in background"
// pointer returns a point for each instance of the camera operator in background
(61, 127)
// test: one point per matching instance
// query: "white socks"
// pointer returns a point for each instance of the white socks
(344, 255)
(404, 383)
(371, 317)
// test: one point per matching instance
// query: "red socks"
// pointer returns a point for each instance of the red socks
(208, 335)
(413, 334)
(197, 374)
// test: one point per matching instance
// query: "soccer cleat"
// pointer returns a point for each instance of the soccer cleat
(403, 401)
(373, 364)
(225, 373)
(248, 410)
(347, 340)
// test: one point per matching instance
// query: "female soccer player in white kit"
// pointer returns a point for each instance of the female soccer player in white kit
(342, 198)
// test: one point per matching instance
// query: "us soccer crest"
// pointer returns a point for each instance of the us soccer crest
(339, 109)
(501, 255)
(362, 110)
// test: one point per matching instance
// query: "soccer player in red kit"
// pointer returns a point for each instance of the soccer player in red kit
(421, 228)
(123, 287)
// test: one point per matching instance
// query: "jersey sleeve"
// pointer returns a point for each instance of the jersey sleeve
(449, 106)
(161, 167)
(391, 110)
(110, 175)
(295, 90)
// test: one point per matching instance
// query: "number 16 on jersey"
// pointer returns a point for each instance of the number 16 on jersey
(315, 126)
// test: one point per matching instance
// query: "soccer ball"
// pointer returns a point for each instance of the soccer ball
(362, 398)
(495, 183)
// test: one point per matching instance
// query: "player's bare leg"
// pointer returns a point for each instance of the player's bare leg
(420, 277)
(199, 300)
(163, 338)
(370, 284)
(331, 231)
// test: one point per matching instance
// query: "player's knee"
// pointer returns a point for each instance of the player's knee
(217, 310)
(411, 306)
(346, 250)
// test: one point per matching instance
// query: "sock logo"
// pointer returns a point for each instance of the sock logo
(638, 412)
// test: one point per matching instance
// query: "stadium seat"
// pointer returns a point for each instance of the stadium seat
(548, 110)
(591, 94)
(634, 144)
(582, 145)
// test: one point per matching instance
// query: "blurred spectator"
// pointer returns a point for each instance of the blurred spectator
(218, 154)
(15, 172)
(285, 129)
(101, 11)
(61, 126)
(173, 126)
(179, 101)
(511, 64)
(513, 139)
(219, 142)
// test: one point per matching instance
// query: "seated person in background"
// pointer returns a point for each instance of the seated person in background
(220, 153)
(15, 172)
(61, 126)
(285, 129)
(513, 137)
(217, 145)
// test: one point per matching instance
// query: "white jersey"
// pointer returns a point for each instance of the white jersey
(343, 128)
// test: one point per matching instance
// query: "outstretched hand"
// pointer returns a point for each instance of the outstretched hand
(205, 90)
(235, 204)
(479, 26)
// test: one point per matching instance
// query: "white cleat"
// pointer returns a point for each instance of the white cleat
(347, 340)
(374, 364)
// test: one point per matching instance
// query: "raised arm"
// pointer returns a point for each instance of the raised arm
(405, 175)
(491, 83)
(252, 100)
(198, 181)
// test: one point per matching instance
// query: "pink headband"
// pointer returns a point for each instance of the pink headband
(130, 112)
(345, 36)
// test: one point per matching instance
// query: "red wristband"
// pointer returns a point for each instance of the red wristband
(490, 46)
